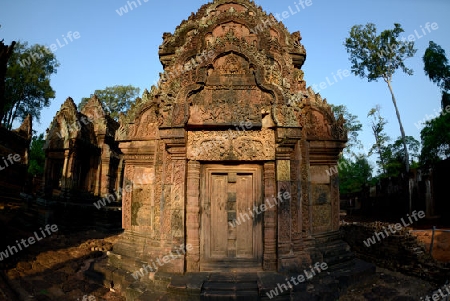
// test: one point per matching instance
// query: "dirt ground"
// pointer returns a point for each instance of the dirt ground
(53, 268)
(441, 244)
(58, 275)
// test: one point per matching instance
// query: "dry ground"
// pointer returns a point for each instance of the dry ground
(53, 268)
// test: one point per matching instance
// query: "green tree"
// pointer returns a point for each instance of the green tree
(435, 138)
(435, 135)
(354, 174)
(377, 124)
(395, 156)
(352, 125)
(379, 56)
(436, 66)
(27, 84)
(37, 156)
(116, 99)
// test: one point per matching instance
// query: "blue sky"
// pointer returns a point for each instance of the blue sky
(121, 50)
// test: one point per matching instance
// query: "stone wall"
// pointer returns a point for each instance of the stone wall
(400, 252)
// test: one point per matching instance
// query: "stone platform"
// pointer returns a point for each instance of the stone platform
(327, 285)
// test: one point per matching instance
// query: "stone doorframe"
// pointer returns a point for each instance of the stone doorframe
(193, 217)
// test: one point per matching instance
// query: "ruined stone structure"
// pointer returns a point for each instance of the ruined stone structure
(231, 127)
(82, 157)
(14, 149)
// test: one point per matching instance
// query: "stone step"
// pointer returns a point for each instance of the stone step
(230, 286)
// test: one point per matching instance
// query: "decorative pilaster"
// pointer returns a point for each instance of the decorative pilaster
(270, 219)
(193, 216)
(284, 207)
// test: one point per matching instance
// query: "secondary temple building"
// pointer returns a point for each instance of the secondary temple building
(82, 159)
(226, 159)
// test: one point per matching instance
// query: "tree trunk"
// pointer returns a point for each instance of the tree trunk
(5, 54)
(402, 131)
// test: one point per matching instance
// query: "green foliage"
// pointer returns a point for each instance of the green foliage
(377, 124)
(37, 156)
(352, 125)
(27, 82)
(354, 174)
(395, 156)
(378, 56)
(116, 99)
(436, 66)
(435, 135)
(435, 138)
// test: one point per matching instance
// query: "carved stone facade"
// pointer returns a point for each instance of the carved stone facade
(81, 156)
(230, 127)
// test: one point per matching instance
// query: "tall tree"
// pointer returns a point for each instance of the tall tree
(352, 125)
(116, 99)
(27, 86)
(379, 56)
(435, 135)
(377, 124)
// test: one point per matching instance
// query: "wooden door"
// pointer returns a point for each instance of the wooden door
(231, 228)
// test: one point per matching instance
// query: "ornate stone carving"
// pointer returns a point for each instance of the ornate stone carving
(231, 145)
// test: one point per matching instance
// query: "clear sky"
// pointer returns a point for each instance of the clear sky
(121, 50)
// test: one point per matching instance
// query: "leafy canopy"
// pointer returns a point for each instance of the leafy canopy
(435, 135)
(378, 56)
(435, 138)
(436, 66)
(116, 99)
(354, 174)
(27, 82)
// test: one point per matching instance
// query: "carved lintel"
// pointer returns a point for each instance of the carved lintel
(231, 145)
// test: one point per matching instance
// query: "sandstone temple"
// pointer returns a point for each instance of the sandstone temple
(226, 159)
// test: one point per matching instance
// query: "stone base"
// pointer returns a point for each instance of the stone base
(326, 285)
(131, 254)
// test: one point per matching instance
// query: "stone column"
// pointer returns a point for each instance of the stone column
(270, 219)
(193, 216)
(284, 207)
(119, 179)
